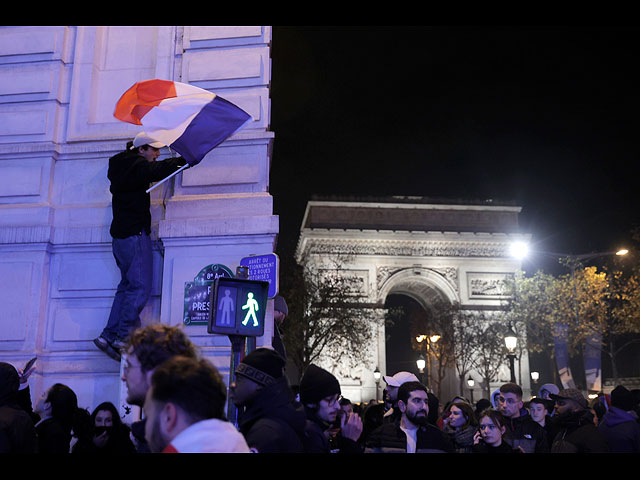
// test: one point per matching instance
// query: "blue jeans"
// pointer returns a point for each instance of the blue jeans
(134, 259)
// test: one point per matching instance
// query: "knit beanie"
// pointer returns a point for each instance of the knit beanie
(317, 384)
(622, 398)
(280, 305)
(263, 366)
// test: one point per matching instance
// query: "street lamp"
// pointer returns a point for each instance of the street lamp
(471, 382)
(421, 363)
(431, 340)
(511, 342)
(535, 376)
(376, 376)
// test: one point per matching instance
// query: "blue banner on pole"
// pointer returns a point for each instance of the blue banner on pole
(592, 354)
(562, 355)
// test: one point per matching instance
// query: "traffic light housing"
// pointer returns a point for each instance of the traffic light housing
(238, 307)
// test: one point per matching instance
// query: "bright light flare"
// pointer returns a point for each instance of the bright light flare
(519, 250)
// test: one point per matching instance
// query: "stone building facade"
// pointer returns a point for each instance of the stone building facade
(58, 89)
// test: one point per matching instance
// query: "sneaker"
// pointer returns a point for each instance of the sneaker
(101, 342)
(104, 345)
(119, 345)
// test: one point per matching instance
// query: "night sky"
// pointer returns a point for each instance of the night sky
(546, 117)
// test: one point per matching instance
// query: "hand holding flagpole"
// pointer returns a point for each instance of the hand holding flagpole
(167, 178)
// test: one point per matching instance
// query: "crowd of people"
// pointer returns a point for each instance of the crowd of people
(184, 397)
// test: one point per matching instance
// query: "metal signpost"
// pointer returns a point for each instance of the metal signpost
(238, 310)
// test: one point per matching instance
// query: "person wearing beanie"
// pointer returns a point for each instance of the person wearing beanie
(620, 424)
(280, 312)
(268, 417)
(320, 394)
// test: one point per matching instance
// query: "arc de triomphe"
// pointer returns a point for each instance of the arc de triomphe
(418, 247)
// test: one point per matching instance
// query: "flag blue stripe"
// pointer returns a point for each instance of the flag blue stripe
(218, 120)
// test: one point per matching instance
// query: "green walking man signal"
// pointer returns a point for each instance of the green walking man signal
(238, 307)
(252, 307)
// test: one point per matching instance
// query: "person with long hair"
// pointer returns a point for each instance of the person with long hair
(460, 426)
(58, 414)
(491, 430)
(105, 433)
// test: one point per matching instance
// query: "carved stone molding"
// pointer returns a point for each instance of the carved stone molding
(406, 248)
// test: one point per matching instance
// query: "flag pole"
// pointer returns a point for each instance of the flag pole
(164, 180)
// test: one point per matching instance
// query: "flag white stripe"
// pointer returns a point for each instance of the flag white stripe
(178, 112)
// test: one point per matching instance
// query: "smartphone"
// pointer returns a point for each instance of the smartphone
(29, 364)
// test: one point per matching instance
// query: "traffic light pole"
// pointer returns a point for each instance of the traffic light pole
(241, 346)
(242, 271)
(237, 354)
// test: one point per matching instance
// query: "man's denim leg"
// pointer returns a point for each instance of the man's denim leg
(134, 259)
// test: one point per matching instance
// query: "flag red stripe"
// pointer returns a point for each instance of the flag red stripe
(136, 102)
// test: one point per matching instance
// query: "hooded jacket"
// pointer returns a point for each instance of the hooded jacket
(621, 430)
(577, 433)
(208, 436)
(272, 423)
(130, 175)
(17, 432)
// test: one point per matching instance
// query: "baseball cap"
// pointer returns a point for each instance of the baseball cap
(400, 378)
(280, 305)
(143, 139)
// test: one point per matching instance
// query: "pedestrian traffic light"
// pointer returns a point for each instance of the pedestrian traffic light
(238, 307)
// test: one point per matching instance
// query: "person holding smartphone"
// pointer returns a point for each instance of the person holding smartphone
(489, 436)
(107, 433)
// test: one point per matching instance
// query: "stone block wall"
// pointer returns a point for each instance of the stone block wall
(58, 89)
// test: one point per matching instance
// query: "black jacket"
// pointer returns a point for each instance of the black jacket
(53, 437)
(17, 432)
(504, 447)
(130, 175)
(525, 432)
(389, 438)
(318, 439)
(137, 430)
(273, 423)
(577, 433)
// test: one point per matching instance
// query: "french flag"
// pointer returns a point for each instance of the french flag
(188, 119)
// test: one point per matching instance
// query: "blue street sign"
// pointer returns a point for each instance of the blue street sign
(264, 268)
